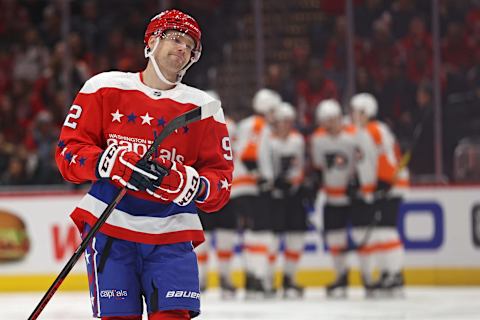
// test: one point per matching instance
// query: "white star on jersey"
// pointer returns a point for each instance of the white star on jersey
(146, 119)
(224, 184)
(116, 116)
(73, 159)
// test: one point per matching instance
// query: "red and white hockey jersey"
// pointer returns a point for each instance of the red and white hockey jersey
(117, 108)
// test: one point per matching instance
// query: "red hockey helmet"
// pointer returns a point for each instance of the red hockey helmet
(175, 20)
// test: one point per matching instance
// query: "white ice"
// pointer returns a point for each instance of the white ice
(420, 303)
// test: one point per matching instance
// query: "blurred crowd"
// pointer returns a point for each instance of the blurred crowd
(45, 57)
(393, 54)
(44, 62)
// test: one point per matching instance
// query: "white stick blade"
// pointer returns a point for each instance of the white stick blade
(209, 109)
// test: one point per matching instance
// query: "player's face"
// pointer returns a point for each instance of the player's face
(174, 51)
(359, 118)
(269, 117)
(284, 126)
(333, 125)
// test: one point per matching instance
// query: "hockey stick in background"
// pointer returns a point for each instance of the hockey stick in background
(197, 114)
(402, 164)
(407, 156)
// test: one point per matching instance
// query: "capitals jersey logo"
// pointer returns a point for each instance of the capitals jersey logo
(141, 145)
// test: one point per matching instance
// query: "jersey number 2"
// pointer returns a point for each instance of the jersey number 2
(74, 114)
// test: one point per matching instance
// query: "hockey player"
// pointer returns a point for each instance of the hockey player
(334, 156)
(284, 163)
(222, 226)
(144, 251)
(376, 229)
(251, 194)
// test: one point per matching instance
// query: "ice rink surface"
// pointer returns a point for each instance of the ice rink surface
(420, 303)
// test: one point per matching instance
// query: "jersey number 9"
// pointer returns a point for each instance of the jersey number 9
(228, 148)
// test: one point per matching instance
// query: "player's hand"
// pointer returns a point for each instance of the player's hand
(126, 167)
(382, 190)
(251, 165)
(282, 184)
(264, 185)
(180, 185)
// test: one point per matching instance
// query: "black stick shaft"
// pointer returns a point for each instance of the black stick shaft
(176, 123)
(76, 256)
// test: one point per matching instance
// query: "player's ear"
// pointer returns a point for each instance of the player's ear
(151, 42)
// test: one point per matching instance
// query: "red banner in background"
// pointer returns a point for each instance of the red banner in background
(66, 240)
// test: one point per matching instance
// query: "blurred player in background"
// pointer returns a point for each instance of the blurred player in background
(375, 232)
(144, 251)
(252, 192)
(222, 226)
(283, 157)
(334, 156)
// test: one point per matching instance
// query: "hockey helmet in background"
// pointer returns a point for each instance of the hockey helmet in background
(285, 111)
(265, 101)
(328, 109)
(365, 103)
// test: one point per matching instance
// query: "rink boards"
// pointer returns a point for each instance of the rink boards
(440, 227)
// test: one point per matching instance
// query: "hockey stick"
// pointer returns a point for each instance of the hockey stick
(182, 120)
(402, 164)
(407, 156)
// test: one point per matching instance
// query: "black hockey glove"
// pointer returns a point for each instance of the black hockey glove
(264, 185)
(382, 190)
(126, 168)
(353, 188)
(282, 183)
(251, 165)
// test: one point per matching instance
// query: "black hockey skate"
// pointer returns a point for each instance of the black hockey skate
(269, 293)
(227, 290)
(371, 288)
(291, 290)
(390, 285)
(255, 288)
(338, 289)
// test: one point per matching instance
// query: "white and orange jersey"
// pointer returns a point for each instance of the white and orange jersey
(231, 128)
(381, 157)
(249, 132)
(283, 156)
(335, 156)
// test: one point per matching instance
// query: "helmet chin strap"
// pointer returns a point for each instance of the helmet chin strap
(149, 54)
(161, 77)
